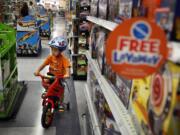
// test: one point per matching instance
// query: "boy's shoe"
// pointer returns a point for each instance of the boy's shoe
(61, 108)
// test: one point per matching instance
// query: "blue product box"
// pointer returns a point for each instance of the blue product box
(27, 42)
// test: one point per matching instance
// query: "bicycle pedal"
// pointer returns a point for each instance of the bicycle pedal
(61, 110)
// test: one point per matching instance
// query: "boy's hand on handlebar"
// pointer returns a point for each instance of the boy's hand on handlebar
(36, 73)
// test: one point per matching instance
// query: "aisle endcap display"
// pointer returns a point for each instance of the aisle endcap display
(119, 111)
(28, 37)
(96, 128)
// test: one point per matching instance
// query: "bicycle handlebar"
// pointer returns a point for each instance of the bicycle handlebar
(58, 76)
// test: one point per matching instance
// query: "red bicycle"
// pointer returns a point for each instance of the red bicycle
(52, 97)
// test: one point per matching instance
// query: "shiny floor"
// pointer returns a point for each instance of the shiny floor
(27, 120)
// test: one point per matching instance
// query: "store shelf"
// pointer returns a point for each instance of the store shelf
(92, 112)
(119, 111)
(103, 23)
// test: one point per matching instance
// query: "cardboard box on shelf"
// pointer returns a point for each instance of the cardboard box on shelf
(153, 101)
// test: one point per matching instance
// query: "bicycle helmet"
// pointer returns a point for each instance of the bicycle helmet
(59, 42)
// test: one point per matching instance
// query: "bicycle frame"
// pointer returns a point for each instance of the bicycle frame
(55, 89)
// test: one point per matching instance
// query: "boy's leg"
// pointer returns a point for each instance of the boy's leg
(61, 105)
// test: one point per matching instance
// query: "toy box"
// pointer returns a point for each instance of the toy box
(94, 8)
(106, 120)
(175, 36)
(100, 50)
(113, 9)
(27, 37)
(92, 80)
(80, 65)
(27, 23)
(84, 3)
(28, 42)
(83, 44)
(103, 9)
(44, 22)
(154, 101)
(93, 40)
(164, 15)
(125, 11)
(123, 90)
(45, 26)
(136, 8)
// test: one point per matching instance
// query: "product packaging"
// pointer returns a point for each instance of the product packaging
(164, 15)
(93, 40)
(103, 9)
(84, 3)
(27, 23)
(123, 90)
(136, 8)
(84, 27)
(105, 117)
(80, 65)
(125, 10)
(113, 9)
(154, 102)
(28, 42)
(100, 48)
(83, 44)
(94, 8)
(104, 113)
(175, 36)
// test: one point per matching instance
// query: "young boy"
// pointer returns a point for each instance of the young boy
(58, 63)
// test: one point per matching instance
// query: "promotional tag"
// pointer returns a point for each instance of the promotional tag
(136, 48)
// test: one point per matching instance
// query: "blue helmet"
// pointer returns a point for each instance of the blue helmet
(59, 42)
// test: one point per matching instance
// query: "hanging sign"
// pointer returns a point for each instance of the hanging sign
(136, 48)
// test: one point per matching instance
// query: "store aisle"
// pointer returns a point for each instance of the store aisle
(28, 119)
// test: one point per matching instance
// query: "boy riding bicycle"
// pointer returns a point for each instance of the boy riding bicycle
(58, 64)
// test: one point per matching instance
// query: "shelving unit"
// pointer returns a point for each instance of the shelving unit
(119, 111)
(127, 123)
(10, 88)
(77, 48)
(111, 87)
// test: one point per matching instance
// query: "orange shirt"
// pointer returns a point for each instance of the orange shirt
(57, 65)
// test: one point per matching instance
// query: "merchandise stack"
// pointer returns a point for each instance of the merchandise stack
(28, 37)
(30, 30)
(81, 30)
(139, 106)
